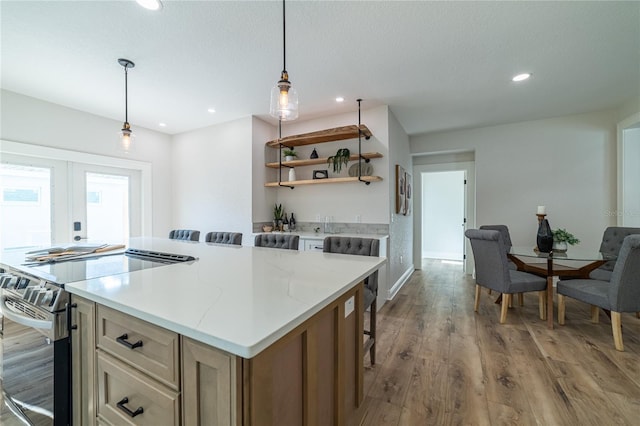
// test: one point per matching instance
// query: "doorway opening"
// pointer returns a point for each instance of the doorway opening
(443, 215)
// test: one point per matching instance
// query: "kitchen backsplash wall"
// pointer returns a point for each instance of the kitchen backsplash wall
(336, 228)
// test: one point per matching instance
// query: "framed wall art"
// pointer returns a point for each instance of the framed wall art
(408, 194)
(400, 189)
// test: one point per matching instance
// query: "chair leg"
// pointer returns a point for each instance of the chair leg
(561, 308)
(542, 304)
(511, 301)
(489, 293)
(595, 314)
(506, 300)
(521, 299)
(638, 315)
(372, 329)
(477, 301)
(616, 326)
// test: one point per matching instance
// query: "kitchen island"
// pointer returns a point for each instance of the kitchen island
(242, 335)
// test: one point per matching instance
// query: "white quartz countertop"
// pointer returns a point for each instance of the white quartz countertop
(235, 298)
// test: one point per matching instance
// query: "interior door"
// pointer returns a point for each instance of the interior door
(443, 215)
(106, 203)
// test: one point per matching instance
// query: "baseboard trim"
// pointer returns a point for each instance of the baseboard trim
(401, 281)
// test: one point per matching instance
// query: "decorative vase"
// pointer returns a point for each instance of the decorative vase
(544, 237)
(560, 246)
(292, 175)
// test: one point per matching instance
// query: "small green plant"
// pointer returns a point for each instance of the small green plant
(341, 158)
(562, 235)
(278, 211)
(289, 153)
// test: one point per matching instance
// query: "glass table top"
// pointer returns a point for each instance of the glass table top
(572, 253)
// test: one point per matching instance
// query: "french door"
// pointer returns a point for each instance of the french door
(47, 202)
(106, 203)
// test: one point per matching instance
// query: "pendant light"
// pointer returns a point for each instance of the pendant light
(126, 135)
(284, 98)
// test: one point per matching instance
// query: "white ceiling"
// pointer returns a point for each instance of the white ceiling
(438, 65)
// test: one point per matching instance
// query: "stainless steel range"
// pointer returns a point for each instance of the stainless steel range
(34, 331)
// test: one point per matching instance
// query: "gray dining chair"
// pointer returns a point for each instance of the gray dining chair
(506, 240)
(279, 241)
(184, 234)
(234, 238)
(612, 239)
(361, 247)
(492, 271)
(620, 294)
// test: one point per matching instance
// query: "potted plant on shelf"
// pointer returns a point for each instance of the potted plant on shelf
(341, 158)
(278, 211)
(289, 154)
(562, 238)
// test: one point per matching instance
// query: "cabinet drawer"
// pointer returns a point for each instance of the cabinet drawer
(158, 355)
(159, 405)
(313, 245)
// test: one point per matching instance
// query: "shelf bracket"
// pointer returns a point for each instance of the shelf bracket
(360, 157)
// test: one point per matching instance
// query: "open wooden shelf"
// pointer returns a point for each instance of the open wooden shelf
(312, 161)
(328, 135)
(328, 180)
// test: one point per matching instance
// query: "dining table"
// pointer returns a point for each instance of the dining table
(575, 262)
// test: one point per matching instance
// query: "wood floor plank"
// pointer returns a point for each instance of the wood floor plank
(382, 413)
(427, 392)
(444, 364)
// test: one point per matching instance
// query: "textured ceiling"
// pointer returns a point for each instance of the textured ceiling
(438, 65)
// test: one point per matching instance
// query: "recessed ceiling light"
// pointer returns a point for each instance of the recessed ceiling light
(339, 99)
(521, 77)
(150, 4)
(162, 124)
(211, 110)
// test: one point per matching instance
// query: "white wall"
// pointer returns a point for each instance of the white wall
(36, 122)
(263, 198)
(213, 178)
(401, 227)
(566, 163)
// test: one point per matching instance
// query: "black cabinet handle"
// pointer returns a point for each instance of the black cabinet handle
(68, 308)
(130, 413)
(123, 341)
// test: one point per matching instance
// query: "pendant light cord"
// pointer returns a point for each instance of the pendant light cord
(284, 40)
(126, 96)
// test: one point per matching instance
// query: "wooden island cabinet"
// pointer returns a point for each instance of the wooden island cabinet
(127, 371)
(245, 336)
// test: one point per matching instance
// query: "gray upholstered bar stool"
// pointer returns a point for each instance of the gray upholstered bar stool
(361, 247)
(184, 234)
(234, 238)
(280, 241)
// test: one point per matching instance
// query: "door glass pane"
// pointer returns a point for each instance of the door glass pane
(107, 207)
(25, 217)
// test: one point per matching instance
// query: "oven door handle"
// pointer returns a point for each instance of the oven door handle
(24, 320)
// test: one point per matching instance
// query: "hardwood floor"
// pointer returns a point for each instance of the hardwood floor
(439, 363)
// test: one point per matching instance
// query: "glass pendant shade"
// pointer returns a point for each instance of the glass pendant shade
(125, 138)
(284, 100)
